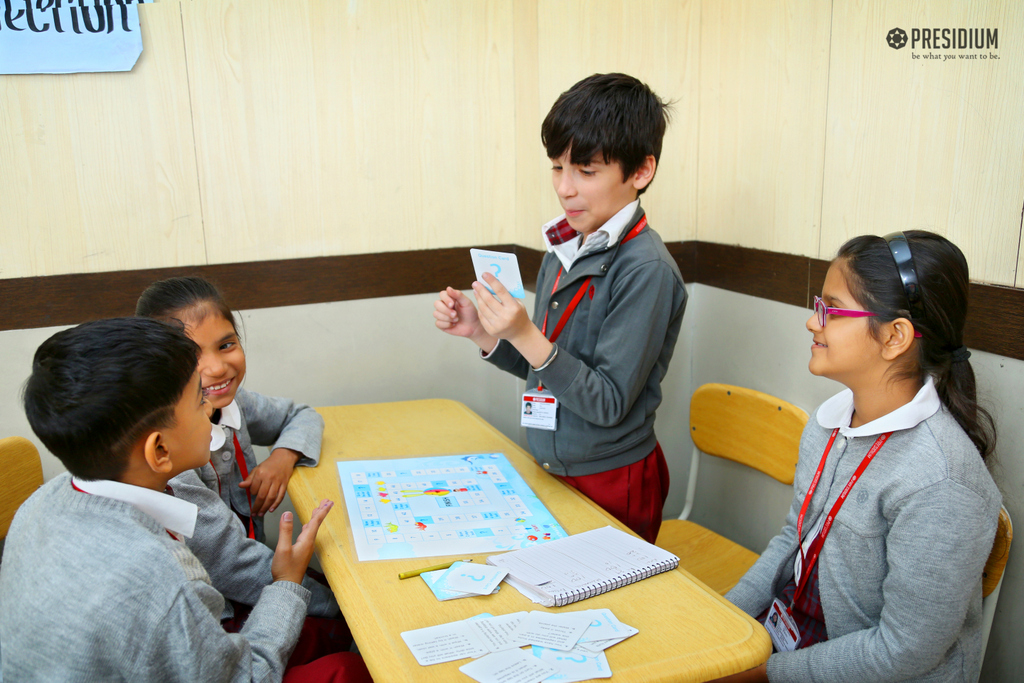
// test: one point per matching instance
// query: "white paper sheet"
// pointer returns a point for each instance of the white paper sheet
(513, 666)
(551, 630)
(497, 633)
(444, 643)
(574, 665)
(73, 38)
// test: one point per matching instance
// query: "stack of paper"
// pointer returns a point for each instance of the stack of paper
(565, 647)
(582, 566)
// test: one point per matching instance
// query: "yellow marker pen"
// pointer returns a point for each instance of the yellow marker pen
(417, 572)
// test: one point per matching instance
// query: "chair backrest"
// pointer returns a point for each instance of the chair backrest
(23, 474)
(992, 576)
(749, 427)
(993, 572)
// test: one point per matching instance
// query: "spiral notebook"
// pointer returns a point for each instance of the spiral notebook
(581, 566)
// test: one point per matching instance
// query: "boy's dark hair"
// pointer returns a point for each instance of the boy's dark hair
(181, 298)
(614, 115)
(875, 282)
(96, 389)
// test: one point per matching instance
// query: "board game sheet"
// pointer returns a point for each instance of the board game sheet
(441, 505)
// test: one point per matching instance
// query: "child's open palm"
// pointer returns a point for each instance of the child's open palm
(291, 559)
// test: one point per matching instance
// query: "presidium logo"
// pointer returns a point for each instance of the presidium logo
(897, 38)
(951, 41)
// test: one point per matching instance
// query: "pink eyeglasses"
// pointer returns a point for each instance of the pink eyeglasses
(822, 311)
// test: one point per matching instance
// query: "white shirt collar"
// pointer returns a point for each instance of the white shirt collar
(230, 416)
(838, 411)
(567, 252)
(172, 513)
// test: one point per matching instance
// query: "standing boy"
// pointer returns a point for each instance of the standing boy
(609, 305)
(96, 581)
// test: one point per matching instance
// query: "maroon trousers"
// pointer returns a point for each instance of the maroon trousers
(322, 653)
(634, 494)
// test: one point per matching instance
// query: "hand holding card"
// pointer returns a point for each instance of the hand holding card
(503, 266)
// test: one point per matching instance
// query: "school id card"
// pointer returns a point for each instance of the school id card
(539, 410)
(782, 628)
(503, 266)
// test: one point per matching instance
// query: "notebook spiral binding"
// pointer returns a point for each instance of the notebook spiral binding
(568, 597)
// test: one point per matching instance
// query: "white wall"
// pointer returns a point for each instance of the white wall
(368, 351)
(380, 350)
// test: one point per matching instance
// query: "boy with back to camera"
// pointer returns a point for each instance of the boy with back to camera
(96, 582)
(609, 305)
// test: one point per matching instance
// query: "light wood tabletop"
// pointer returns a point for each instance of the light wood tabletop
(687, 631)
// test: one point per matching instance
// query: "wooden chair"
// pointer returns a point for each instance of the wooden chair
(23, 474)
(748, 427)
(992, 575)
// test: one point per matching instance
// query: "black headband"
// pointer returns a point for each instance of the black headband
(900, 248)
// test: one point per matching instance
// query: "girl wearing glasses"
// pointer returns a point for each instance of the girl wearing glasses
(876, 575)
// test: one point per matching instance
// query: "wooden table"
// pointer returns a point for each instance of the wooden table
(687, 632)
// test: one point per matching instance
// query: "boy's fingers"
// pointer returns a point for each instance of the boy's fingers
(310, 528)
(442, 312)
(321, 510)
(484, 298)
(284, 537)
(495, 284)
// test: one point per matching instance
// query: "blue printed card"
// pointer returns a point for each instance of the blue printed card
(501, 265)
(442, 591)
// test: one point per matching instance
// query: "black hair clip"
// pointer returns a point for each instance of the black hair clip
(900, 248)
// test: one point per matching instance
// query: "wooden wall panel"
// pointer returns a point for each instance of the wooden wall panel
(534, 197)
(99, 169)
(922, 143)
(340, 128)
(658, 42)
(764, 80)
(1019, 282)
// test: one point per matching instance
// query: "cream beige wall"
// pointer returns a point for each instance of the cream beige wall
(263, 130)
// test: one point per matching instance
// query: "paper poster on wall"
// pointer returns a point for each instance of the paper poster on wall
(69, 36)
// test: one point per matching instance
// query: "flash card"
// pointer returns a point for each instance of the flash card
(501, 265)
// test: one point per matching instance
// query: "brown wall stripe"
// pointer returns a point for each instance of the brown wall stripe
(995, 322)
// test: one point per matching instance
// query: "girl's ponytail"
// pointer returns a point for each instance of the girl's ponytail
(940, 311)
(958, 394)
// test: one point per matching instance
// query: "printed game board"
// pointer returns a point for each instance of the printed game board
(441, 505)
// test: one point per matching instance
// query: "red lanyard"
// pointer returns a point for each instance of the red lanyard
(571, 308)
(807, 563)
(641, 224)
(240, 458)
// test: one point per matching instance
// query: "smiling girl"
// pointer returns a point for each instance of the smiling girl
(876, 575)
(241, 418)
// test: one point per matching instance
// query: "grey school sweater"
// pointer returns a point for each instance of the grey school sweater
(93, 589)
(900, 573)
(265, 421)
(239, 567)
(612, 353)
